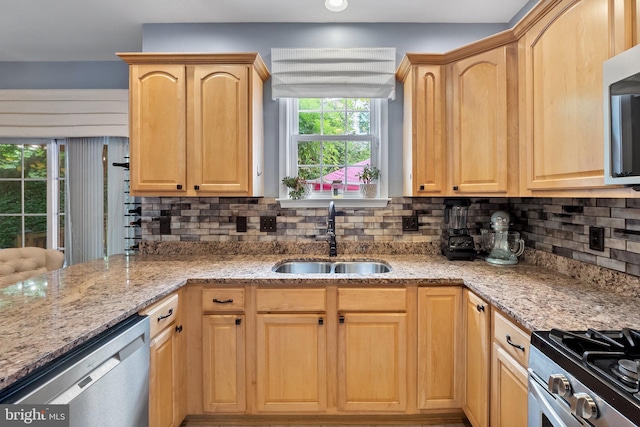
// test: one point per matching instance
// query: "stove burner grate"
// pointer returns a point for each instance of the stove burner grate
(607, 364)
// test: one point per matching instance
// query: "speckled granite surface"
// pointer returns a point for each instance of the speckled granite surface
(48, 315)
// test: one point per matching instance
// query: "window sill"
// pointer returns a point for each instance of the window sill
(339, 203)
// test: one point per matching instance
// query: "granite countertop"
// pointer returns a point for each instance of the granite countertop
(46, 316)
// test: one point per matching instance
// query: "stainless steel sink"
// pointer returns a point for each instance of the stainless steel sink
(303, 267)
(362, 267)
(329, 267)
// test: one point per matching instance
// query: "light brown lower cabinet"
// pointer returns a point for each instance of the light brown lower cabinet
(223, 360)
(508, 390)
(477, 358)
(167, 404)
(372, 365)
(439, 345)
(223, 350)
(291, 363)
(290, 348)
(354, 351)
(509, 376)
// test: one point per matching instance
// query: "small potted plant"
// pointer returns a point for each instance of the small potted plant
(298, 187)
(368, 188)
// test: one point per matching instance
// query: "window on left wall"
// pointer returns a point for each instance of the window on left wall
(32, 175)
(63, 194)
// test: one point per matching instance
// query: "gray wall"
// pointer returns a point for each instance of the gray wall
(64, 75)
(433, 38)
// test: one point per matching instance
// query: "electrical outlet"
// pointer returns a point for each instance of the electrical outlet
(241, 224)
(596, 238)
(268, 223)
(410, 223)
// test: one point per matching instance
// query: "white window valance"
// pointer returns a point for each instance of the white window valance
(333, 72)
(48, 113)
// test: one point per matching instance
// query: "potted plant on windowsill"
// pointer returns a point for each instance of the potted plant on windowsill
(368, 188)
(298, 186)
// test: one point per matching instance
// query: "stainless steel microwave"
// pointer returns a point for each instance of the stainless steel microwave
(621, 78)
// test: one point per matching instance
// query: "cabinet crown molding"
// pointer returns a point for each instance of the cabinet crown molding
(249, 58)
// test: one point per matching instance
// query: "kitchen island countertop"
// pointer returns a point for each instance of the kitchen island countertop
(48, 315)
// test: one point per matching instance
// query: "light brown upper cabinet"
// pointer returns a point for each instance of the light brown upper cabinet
(196, 126)
(460, 122)
(423, 131)
(482, 135)
(560, 71)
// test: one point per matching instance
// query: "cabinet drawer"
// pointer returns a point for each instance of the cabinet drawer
(161, 314)
(511, 338)
(372, 299)
(291, 300)
(222, 300)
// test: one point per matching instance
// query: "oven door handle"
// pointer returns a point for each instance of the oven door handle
(539, 394)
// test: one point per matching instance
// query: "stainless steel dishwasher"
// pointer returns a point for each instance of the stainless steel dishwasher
(105, 382)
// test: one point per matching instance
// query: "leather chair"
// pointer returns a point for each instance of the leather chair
(18, 264)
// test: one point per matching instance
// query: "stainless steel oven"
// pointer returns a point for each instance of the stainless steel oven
(575, 379)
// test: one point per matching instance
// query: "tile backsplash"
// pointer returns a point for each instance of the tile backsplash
(557, 226)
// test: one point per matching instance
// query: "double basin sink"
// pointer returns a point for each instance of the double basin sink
(332, 267)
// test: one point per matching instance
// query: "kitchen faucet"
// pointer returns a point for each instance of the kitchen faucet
(331, 230)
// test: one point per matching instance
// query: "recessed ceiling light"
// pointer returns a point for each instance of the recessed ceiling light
(336, 5)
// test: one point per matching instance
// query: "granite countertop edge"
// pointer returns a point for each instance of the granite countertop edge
(99, 294)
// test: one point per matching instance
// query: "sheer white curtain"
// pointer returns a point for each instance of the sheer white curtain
(118, 149)
(84, 227)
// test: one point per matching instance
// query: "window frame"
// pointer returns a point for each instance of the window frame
(289, 137)
(52, 179)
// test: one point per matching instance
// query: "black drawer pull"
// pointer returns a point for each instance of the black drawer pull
(223, 301)
(238, 322)
(166, 315)
(512, 344)
(341, 319)
(320, 321)
(179, 329)
(179, 186)
(480, 307)
(196, 187)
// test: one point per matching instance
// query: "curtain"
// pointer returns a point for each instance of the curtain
(334, 72)
(84, 227)
(118, 149)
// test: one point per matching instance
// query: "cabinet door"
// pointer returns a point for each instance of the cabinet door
(291, 357)
(223, 358)
(220, 154)
(480, 123)
(561, 75)
(635, 22)
(163, 384)
(438, 345)
(372, 362)
(477, 358)
(158, 130)
(423, 128)
(508, 390)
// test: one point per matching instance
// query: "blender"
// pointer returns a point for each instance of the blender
(456, 242)
(503, 246)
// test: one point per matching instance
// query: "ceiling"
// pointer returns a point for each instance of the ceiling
(93, 30)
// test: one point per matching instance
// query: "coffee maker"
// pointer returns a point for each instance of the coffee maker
(456, 242)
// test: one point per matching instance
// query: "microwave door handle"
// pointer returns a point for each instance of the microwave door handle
(539, 395)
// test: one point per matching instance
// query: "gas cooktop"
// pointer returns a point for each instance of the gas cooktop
(607, 362)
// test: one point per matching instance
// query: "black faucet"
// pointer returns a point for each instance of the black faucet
(331, 230)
